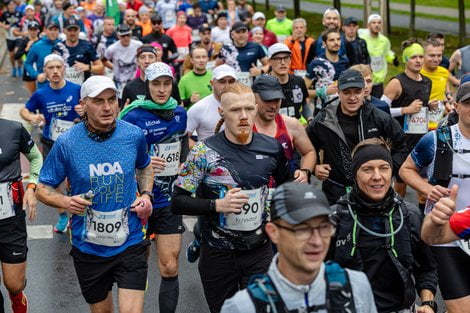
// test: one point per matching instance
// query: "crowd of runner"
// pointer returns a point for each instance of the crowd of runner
(152, 110)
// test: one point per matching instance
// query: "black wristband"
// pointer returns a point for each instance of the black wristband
(148, 193)
(432, 304)
(212, 207)
(309, 173)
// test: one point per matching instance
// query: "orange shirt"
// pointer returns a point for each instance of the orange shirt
(297, 62)
(146, 27)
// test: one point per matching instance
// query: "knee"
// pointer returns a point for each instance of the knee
(15, 287)
(169, 268)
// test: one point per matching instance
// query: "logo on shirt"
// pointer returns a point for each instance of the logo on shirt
(152, 123)
(260, 156)
(177, 118)
(69, 99)
(105, 169)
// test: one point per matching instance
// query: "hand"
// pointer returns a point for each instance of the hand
(82, 67)
(142, 206)
(195, 97)
(449, 97)
(37, 119)
(254, 71)
(433, 105)
(158, 164)
(232, 202)
(424, 309)
(300, 177)
(437, 192)
(449, 106)
(41, 78)
(444, 208)
(322, 171)
(332, 89)
(30, 43)
(29, 203)
(414, 107)
(76, 204)
(79, 109)
(128, 101)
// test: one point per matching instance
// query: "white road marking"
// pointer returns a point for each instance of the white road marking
(39, 231)
(189, 222)
(11, 111)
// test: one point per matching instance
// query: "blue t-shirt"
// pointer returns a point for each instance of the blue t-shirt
(242, 58)
(55, 104)
(160, 131)
(207, 5)
(108, 169)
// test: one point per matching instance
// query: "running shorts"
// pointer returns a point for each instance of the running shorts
(13, 236)
(164, 222)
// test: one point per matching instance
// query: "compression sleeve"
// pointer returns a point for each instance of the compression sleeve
(35, 158)
(394, 112)
(460, 224)
(183, 203)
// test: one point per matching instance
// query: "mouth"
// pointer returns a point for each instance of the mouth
(377, 187)
(313, 255)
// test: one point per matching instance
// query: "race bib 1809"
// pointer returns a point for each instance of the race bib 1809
(107, 228)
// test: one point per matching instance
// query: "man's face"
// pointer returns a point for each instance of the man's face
(145, 59)
(205, 37)
(280, 15)
(280, 63)
(463, 110)
(239, 113)
(197, 12)
(375, 26)
(52, 33)
(58, 3)
(156, 26)
(99, 9)
(331, 20)
(101, 110)
(11, 6)
(125, 39)
(70, 10)
(299, 29)
(415, 63)
(222, 22)
(267, 109)
(72, 34)
(368, 87)
(432, 57)
(199, 59)
(129, 17)
(240, 37)
(260, 22)
(351, 100)
(160, 89)
(301, 255)
(333, 42)
(219, 85)
(54, 71)
(350, 30)
(374, 179)
(108, 26)
(33, 32)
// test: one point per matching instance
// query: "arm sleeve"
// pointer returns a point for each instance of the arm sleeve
(175, 92)
(182, 91)
(313, 138)
(35, 158)
(33, 104)
(21, 49)
(183, 203)
(193, 170)
(26, 142)
(261, 53)
(390, 54)
(184, 148)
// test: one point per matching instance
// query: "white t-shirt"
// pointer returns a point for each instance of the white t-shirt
(203, 116)
(123, 59)
(221, 35)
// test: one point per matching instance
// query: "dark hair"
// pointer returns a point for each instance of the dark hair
(324, 34)
(156, 18)
(196, 5)
(435, 35)
(408, 42)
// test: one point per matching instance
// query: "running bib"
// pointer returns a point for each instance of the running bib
(377, 63)
(107, 228)
(288, 111)
(195, 35)
(244, 78)
(182, 53)
(298, 95)
(58, 127)
(281, 38)
(434, 116)
(210, 65)
(251, 215)
(301, 73)
(6, 201)
(74, 76)
(170, 16)
(416, 123)
(170, 152)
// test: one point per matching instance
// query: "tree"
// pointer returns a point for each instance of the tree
(297, 8)
(412, 17)
(337, 5)
(462, 30)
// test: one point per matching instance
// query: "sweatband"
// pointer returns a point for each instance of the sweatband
(370, 152)
(143, 49)
(373, 17)
(411, 51)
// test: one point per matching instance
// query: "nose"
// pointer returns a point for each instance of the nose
(376, 174)
(315, 238)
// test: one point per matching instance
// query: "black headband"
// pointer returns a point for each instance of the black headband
(370, 152)
(146, 49)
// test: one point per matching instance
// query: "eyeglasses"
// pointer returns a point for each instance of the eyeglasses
(304, 233)
(279, 59)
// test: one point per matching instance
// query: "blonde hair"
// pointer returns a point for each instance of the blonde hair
(236, 88)
(364, 69)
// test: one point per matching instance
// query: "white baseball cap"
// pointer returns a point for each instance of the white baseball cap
(258, 15)
(95, 85)
(223, 70)
(156, 70)
(373, 17)
(278, 48)
(53, 57)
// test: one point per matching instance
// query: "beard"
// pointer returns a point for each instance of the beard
(243, 136)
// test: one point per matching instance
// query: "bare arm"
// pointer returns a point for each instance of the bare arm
(97, 67)
(31, 117)
(51, 197)
(435, 234)
(301, 143)
(145, 178)
(455, 60)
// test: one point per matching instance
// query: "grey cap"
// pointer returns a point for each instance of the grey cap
(463, 93)
(296, 203)
(268, 87)
(350, 79)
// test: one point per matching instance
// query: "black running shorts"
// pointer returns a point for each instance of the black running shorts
(164, 222)
(97, 275)
(13, 236)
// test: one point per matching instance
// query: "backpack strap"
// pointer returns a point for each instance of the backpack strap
(339, 296)
(264, 295)
(443, 157)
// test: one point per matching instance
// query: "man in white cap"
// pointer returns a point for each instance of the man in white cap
(106, 162)
(380, 53)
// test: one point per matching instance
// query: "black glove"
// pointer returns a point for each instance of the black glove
(395, 61)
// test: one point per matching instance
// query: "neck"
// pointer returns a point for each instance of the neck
(413, 75)
(294, 276)
(332, 56)
(265, 127)
(142, 75)
(71, 44)
(238, 45)
(234, 139)
(465, 130)
(428, 69)
(350, 38)
(283, 78)
(58, 85)
(347, 112)
(199, 71)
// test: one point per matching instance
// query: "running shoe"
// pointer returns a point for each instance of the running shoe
(62, 223)
(193, 251)
(19, 303)
(13, 72)
(20, 72)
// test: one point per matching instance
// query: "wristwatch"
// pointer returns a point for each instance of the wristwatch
(148, 193)
(432, 304)
(31, 186)
(308, 172)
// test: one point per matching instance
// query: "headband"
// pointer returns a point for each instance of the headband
(411, 51)
(370, 152)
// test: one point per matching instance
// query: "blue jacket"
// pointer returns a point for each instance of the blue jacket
(36, 55)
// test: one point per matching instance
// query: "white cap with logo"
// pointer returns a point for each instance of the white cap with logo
(258, 15)
(95, 85)
(223, 70)
(157, 70)
(278, 48)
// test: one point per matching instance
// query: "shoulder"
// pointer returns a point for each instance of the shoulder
(9, 124)
(240, 302)
(71, 86)
(131, 131)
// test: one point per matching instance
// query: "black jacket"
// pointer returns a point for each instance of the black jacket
(326, 134)
(357, 52)
(410, 256)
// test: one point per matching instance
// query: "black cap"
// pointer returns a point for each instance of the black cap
(33, 24)
(71, 22)
(204, 27)
(123, 29)
(37, 2)
(222, 14)
(156, 19)
(296, 203)
(281, 8)
(239, 26)
(52, 24)
(463, 92)
(350, 20)
(350, 79)
(66, 5)
(268, 87)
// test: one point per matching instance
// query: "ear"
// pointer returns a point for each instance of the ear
(221, 111)
(273, 232)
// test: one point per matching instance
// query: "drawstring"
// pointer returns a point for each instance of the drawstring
(392, 241)
(354, 238)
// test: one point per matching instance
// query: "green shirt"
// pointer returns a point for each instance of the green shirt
(283, 27)
(192, 82)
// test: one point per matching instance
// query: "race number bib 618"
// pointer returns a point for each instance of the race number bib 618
(251, 215)
(170, 152)
(107, 228)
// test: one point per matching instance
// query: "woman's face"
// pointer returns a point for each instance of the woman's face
(258, 36)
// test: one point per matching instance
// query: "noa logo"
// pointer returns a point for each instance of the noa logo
(104, 169)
